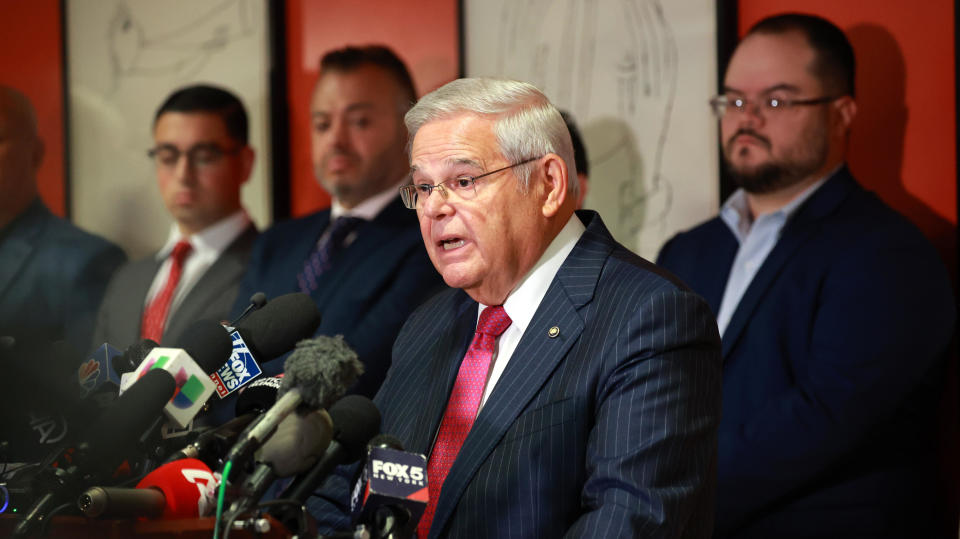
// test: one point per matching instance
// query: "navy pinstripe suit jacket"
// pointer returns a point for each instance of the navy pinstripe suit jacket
(607, 430)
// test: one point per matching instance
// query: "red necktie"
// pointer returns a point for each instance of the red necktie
(155, 315)
(462, 406)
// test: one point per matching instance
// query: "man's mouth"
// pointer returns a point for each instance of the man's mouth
(451, 243)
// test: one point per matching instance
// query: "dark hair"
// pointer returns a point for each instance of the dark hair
(203, 98)
(350, 58)
(579, 150)
(834, 64)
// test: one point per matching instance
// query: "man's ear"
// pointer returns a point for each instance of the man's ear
(555, 179)
(847, 111)
(247, 156)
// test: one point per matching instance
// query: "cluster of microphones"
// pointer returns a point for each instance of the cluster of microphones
(132, 447)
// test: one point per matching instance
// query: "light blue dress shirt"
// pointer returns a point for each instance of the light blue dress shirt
(757, 238)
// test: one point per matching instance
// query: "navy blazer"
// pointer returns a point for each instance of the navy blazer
(52, 279)
(606, 430)
(830, 370)
(374, 284)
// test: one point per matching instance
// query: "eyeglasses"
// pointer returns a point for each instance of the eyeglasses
(722, 104)
(464, 187)
(199, 156)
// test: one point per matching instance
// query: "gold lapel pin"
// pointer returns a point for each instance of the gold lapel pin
(553, 332)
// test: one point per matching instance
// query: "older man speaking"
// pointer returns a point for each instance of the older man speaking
(564, 385)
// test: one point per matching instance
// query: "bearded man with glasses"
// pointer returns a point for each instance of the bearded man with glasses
(563, 386)
(835, 313)
(202, 159)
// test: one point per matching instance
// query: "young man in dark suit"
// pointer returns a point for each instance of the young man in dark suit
(564, 386)
(361, 260)
(835, 312)
(202, 160)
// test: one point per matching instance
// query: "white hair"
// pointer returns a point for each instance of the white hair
(526, 124)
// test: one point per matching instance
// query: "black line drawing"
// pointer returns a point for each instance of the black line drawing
(613, 63)
(136, 48)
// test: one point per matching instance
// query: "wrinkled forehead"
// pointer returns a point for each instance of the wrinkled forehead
(455, 141)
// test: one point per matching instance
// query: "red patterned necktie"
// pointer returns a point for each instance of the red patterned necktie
(462, 406)
(155, 315)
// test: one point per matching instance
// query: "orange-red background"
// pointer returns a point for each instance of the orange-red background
(903, 146)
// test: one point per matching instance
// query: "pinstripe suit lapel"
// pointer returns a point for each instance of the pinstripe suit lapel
(441, 372)
(534, 360)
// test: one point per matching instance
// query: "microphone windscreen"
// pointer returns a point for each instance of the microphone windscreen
(188, 485)
(322, 369)
(258, 300)
(297, 443)
(356, 420)
(275, 328)
(258, 396)
(207, 343)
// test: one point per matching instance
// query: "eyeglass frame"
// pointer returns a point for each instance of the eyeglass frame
(410, 193)
(765, 104)
(219, 153)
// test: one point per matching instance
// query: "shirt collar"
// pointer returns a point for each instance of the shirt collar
(369, 208)
(736, 211)
(212, 240)
(523, 302)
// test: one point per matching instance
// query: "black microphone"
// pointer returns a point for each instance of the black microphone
(355, 421)
(293, 449)
(111, 438)
(391, 494)
(257, 300)
(211, 445)
(264, 335)
(316, 374)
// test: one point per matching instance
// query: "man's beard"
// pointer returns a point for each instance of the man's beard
(806, 158)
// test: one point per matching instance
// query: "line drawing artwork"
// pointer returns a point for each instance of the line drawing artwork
(614, 65)
(135, 48)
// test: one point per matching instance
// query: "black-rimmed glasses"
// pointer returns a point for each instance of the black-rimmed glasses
(463, 187)
(198, 156)
(723, 104)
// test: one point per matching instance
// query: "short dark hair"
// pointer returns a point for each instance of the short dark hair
(834, 64)
(579, 150)
(351, 57)
(204, 98)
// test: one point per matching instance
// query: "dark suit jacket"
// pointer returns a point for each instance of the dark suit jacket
(374, 284)
(830, 367)
(52, 279)
(606, 430)
(211, 297)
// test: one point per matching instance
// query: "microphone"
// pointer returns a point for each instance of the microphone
(131, 358)
(355, 421)
(110, 439)
(212, 444)
(257, 301)
(177, 490)
(99, 370)
(204, 346)
(294, 448)
(265, 334)
(391, 494)
(316, 374)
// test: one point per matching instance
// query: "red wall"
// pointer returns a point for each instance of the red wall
(31, 61)
(426, 38)
(903, 145)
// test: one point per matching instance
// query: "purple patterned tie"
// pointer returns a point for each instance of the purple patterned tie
(321, 259)
(462, 406)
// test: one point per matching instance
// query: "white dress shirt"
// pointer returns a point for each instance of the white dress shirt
(522, 303)
(207, 245)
